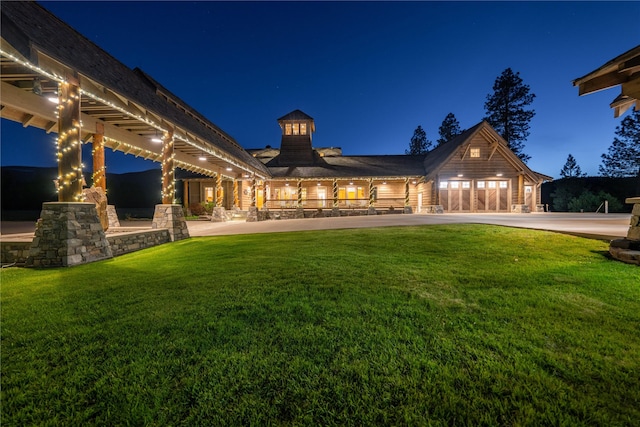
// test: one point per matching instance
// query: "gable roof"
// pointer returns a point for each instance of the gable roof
(437, 158)
(296, 115)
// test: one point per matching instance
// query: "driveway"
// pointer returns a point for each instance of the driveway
(599, 226)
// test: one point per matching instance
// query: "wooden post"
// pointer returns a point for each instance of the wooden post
(371, 195)
(299, 193)
(406, 192)
(69, 145)
(168, 169)
(99, 176)
(253, 191)
(186, 194)
(335, 193)
(236, 200)
(219, 195)
(521, 189)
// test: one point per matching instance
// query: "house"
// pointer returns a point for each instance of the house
(474, 172)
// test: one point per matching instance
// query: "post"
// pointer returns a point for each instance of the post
(236, 202)
(335, 193)
(168, 169)
(69, 146)
(253, 191)
(186, 195)
(606, 206)
(406, 192)
(99, 173)
(299, 193)
(219, 195)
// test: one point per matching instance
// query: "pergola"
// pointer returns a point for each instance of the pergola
(55, 79)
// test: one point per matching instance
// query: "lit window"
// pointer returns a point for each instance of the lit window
(360, 193)
(475, 152)
(480, 184)
(492, 184)
(443, 184)
(287, 129)
(503, 184)
(303, 128)
(455, 184)
(466, 184)
(208, 194)
(296, 129)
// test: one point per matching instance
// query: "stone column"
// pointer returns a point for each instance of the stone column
(172, 218)
(628, 249)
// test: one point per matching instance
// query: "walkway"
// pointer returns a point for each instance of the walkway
(599, 226)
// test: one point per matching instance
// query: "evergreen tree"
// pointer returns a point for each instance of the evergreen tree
(623, 156)
(449, 129)
(571, 168)
(506, 111)
(419, 143)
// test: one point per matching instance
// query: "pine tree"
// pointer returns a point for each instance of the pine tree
(623, 156)
(506, 111)
(419, 143)
(449, 129)
(571, 169)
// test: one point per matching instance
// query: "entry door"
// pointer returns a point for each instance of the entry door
(528, 196)
(322, 197)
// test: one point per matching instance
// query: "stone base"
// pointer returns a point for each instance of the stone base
(299, 213)
(68, 234)
(252, 215)
(372, 211)
(520, 209)
(172, 218)
(335, 212)
(112, 216)
(540, 208)
(218, 215)
(433, 209)
(625, 250)
(408, 210)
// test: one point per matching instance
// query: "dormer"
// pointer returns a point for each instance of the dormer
(295, 146)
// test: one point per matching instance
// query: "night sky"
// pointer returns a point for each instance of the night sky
(368, 72)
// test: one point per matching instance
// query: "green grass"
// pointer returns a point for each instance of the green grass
(438, 325)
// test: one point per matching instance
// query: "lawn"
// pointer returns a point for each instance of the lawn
(434, 325)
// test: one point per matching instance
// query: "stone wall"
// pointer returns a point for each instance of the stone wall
(14, 252)
(628, 249)
(172, 218)
(123, 243)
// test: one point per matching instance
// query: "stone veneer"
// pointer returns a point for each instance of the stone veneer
(113, 216)
(68, 234)
(172, 218)
(628, 249)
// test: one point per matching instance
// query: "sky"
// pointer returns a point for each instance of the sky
(368, 73)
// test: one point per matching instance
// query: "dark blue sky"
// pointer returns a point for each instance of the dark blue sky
(368, 72)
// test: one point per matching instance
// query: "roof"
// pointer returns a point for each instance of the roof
(622, 70)
(440, 156)
(296, 115)
(27, 26)
(356, 166)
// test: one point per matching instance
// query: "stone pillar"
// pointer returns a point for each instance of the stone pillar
(172, 218)
(168, 169)
(628, 249)
(68, 234)
(112, 216)
(69, 146)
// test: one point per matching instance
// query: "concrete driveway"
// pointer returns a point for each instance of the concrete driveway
(599, 226)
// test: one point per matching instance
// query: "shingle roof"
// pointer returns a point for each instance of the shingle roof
(296, 115)
(356, 166)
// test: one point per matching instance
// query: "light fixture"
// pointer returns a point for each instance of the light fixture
(203, 158)
(460, 175)
(229, 169)
(384, 182)
(318, 184)
(53, 99)
(286, 184)
(413, 182)
(156, 138)
(351, 183)
(498, 174)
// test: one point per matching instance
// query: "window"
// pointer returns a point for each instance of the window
(296, 128)
(303, 128)
(466, 184)
(480, 184)
(503, 184)
(443, 185)
(492, 184)
(287, 129)
(208, 194)
(455, 184)
(474, 152)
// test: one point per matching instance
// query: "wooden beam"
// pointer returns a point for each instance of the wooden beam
(466, 150)
(493, 150)
(50, 126)
(631, 88)
(28, 118)
(601, 82)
